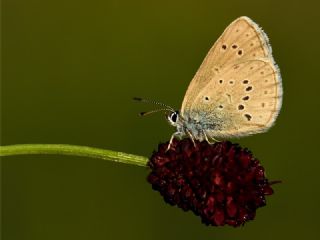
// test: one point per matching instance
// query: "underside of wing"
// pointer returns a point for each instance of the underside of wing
(241, 41)
(244, 99)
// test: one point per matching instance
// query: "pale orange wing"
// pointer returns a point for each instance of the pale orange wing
(241, 41)
(245, 99)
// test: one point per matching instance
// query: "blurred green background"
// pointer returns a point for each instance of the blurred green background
(69, 70)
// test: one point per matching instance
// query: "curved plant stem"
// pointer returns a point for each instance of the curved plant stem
(73, 150)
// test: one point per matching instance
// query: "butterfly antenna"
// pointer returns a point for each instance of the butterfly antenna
(142, 114)
(167, 108)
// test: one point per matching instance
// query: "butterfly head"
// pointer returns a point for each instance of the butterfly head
(173, 118)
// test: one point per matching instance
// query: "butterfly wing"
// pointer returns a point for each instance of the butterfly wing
(241, 40)
(229, 87)
(243, 100)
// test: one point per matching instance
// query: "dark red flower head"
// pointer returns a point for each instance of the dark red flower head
(222, 183)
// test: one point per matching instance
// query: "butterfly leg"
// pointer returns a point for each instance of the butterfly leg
(207, 139)
(171, 139)
(215, 140)
(191, 137)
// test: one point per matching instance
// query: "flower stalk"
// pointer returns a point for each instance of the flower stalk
(73, 150)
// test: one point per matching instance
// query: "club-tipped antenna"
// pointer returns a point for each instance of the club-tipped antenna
(142, 114)
(167, 108)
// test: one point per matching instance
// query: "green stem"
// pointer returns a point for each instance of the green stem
(73, 150)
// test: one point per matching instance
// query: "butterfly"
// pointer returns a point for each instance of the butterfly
(237, 91)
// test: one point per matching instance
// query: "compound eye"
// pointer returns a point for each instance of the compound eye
(174, 117)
